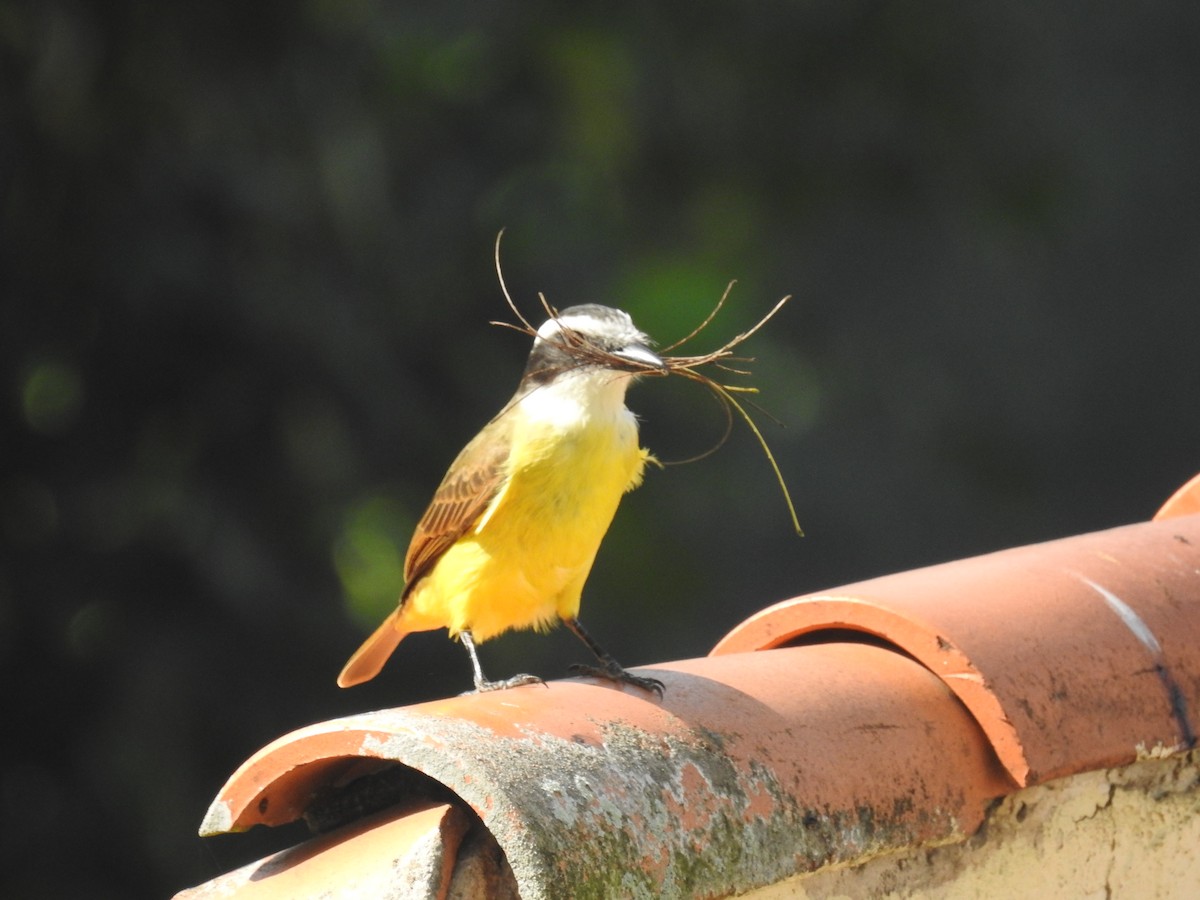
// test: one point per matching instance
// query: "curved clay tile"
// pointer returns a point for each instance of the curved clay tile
(754, 767)
(1184, 502)
(1073, 655)
(1067, 656)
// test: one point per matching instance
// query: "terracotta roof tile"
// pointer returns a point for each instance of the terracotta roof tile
(1184, 502)
(880, 715)
(855, 748)
(362, 860)
(1073, 655)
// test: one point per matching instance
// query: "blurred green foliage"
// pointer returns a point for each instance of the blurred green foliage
(51, 396)
(246, 275)
(369, 556)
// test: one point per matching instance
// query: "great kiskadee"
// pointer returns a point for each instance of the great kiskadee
(511, 534)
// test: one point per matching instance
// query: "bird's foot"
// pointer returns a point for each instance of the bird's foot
(483, 686)
(611, 671)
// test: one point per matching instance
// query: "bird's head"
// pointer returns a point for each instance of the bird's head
(591, 337)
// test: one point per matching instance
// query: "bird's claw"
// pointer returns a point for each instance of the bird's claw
(614, 672)
(483, 686)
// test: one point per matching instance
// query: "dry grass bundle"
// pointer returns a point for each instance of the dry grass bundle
(686, 366)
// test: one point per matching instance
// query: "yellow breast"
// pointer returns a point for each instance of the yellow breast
(525, 562)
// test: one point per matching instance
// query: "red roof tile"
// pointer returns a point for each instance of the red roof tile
(1184, 502)
(1073, 655)
(880, 715)
(855, 748)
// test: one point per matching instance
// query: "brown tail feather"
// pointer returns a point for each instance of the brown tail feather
(370, 657)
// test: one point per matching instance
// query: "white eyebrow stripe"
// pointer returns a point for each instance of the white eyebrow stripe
(552, 327)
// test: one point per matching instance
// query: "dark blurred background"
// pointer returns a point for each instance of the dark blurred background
(246, 263)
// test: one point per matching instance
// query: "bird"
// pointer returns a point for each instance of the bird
(511, 533)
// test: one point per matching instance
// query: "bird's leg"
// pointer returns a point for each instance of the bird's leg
(482, 685)
(609, 668)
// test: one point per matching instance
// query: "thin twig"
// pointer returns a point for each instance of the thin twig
(583, 352)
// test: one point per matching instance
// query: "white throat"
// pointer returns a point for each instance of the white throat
(590, 397)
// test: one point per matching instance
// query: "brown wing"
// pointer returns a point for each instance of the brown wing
(473, 480)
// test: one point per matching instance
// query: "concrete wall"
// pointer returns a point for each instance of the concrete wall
(1131, 832)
